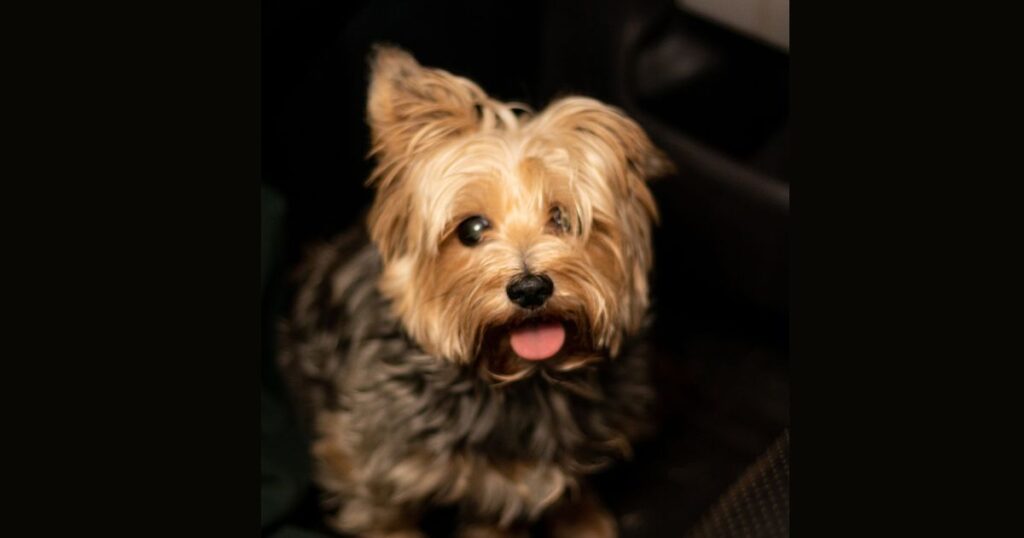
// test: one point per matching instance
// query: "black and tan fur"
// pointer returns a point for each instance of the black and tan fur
(414, 398)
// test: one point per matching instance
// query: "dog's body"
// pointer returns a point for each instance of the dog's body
(399, 430)
(495, 374)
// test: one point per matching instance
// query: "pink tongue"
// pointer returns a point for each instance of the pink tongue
(538, 342)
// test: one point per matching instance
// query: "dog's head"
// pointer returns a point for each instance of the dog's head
(508, 238)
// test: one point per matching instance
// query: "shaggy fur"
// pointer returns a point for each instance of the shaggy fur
(398, 346)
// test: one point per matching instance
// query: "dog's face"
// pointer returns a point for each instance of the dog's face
(508, 239)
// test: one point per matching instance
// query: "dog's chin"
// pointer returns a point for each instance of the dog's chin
(552, 342)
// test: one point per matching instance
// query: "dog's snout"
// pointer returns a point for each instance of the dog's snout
(530, 291)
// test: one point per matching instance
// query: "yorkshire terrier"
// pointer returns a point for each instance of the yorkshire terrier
(475, 346)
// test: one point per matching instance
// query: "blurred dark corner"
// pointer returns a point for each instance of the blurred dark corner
(715, 99)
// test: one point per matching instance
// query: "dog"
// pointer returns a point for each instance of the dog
(479, 344)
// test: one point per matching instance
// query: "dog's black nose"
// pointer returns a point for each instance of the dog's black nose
(530, 291)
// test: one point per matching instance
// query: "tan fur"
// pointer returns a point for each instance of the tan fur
(446, 151)
(582, 517)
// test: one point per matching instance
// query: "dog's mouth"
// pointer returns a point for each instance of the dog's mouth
(537, 340)
(556, 342)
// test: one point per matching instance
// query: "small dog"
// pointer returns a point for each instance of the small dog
(477, 347)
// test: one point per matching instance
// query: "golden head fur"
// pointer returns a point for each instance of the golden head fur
(563, 193)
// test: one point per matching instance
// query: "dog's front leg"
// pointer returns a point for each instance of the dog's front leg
(475, 530)
(367, 519)
(580, 516)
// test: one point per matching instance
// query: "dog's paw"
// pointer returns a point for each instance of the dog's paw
(585, 518)
(402, 533)
(485, 531)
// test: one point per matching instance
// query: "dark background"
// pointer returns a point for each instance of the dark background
(715, 101)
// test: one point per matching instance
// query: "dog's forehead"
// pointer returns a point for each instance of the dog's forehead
(503, 171)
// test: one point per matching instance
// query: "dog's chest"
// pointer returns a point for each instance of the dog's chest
(442, 410)
(508, 452)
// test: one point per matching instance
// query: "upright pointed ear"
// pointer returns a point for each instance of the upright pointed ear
(411, 107)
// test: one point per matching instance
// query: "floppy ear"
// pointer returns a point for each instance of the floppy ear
(610, 132)
(411, 107)
(609, 146)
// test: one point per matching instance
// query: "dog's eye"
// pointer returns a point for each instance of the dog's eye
(471, 230)
(558, 220)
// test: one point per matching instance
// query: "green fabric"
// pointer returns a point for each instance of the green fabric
(272, 212)
(284, 457)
